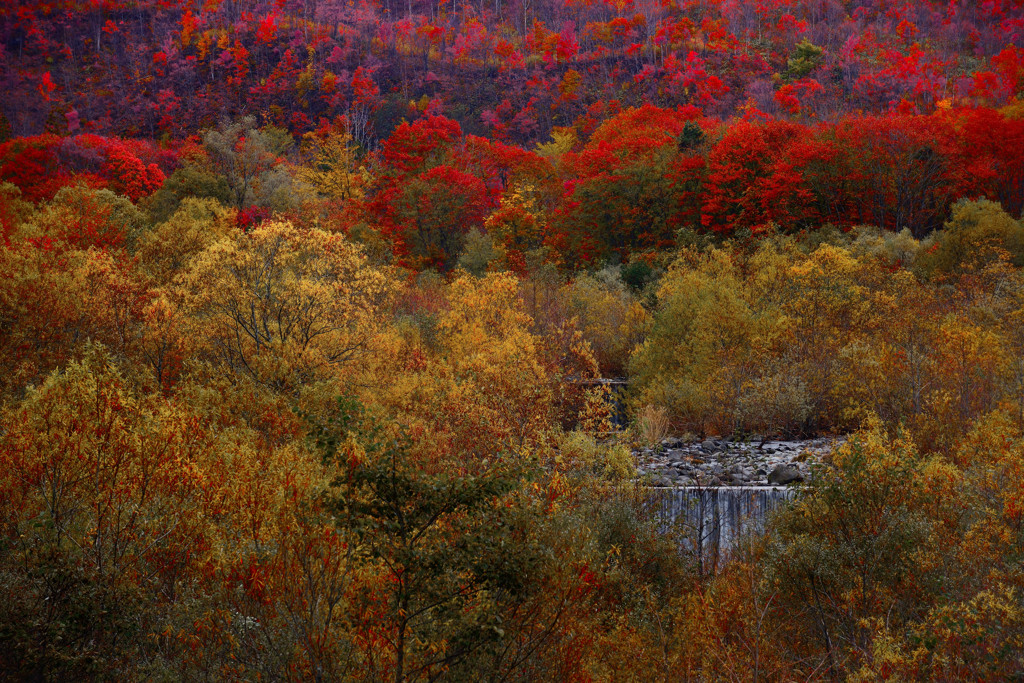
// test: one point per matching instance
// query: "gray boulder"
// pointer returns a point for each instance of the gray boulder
(784, 474)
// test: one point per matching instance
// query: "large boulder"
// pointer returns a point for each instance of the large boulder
(784, 474)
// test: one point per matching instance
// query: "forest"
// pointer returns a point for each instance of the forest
(309, 308)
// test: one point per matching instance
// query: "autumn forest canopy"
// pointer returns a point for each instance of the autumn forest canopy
(308, 310)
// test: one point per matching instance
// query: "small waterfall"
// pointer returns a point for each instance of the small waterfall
(715, 518)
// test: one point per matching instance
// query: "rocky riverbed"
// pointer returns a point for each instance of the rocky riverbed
(721, 462)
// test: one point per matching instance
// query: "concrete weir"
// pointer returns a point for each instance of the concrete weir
(715, 518)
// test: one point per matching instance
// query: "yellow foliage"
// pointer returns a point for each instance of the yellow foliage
(519, 221)
(165, 250)
(978, 233)
(786, 340)
(610, 318)
(494, 358)
(48, 308)
(562, 141)
(1014, 110)
(704, 343)
(581, 451)
(331, 166)
(653, 425)
(284, 306)
(979, 639)
(570, 83)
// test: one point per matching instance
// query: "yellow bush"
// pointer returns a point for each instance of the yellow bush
(579, 450)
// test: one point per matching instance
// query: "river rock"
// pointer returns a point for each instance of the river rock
(784, 474)
(720, 462)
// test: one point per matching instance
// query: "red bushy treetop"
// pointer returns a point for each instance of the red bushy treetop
(646, 172)
(632, 184)
(427, 196)
(414, 147)
(751, 182)
(39, 166)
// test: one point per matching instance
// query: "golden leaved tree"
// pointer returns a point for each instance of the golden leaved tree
(52, 302)
(331, 165)
(704, 345)
(282, 305)
(125, 516)
(168, 248)
(609, 316)
(494, 362)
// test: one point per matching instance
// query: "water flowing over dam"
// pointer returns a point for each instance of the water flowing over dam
(713, 519)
